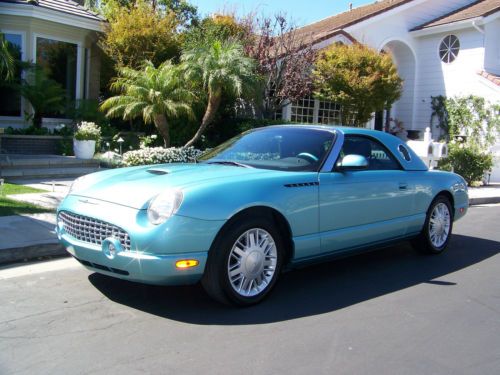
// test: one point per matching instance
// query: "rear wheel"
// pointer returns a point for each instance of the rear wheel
(244, 263)
(436, 233)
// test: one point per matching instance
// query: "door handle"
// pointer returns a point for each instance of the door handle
(403, 186)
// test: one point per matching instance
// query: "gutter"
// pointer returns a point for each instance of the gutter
(474, 22)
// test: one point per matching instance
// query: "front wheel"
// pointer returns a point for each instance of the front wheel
(244, 263)
(436, 233)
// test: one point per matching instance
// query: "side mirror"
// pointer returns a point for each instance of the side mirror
(353, 162)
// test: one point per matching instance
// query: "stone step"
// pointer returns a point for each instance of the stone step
(44, 162)
(28, 173)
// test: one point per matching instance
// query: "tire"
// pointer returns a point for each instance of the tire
(437, 229)
(244, 262)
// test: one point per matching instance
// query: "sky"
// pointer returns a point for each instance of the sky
(302, 12)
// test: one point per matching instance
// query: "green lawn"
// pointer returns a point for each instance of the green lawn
(12, 207)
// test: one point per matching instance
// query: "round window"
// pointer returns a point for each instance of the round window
(449, 48)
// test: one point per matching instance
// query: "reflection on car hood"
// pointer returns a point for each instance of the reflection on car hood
(134, 187)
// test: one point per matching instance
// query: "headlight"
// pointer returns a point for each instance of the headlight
(81, 183)
(164, 205)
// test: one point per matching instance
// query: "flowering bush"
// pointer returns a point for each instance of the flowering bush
(88, 131)
(159, 155)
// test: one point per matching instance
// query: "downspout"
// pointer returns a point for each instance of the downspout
(477, 27)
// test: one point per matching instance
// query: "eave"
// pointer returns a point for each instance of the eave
(62, 18)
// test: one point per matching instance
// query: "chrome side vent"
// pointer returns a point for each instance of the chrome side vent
(302, 184)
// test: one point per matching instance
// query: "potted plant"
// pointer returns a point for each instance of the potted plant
(86, 136)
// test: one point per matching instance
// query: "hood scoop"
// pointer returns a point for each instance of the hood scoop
(158, 171)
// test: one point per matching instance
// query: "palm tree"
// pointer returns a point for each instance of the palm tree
(156, 94)
(219, 67)
(45, 95)
(7, 64)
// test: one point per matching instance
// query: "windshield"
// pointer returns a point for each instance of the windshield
(278, 148)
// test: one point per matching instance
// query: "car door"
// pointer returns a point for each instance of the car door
(363, 207)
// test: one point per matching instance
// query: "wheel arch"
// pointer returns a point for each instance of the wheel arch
(278, 218)
(449, 196)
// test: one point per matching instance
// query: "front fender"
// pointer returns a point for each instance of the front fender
(283, 192)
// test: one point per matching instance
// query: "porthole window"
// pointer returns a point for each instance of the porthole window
(404, 152)
(449, 48)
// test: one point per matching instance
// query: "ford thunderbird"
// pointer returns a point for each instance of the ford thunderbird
(270, 198)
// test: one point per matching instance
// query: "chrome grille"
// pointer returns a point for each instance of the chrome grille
(91, 230)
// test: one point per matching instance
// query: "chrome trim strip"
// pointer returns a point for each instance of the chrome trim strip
(334, 152)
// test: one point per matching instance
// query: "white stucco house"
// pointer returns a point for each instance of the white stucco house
(441, 47)
(59, 35)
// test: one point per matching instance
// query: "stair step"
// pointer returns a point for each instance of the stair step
(25, 173)
(48, 163)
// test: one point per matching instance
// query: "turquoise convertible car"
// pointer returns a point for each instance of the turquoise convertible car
(270, 198)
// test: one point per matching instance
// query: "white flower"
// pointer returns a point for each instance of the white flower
(157, 155)
(154, 136)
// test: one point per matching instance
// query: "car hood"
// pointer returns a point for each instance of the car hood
(134, 187)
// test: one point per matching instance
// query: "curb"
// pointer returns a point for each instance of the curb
(32, 252)
(484, 200)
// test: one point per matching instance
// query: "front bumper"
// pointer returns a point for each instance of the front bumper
(154, 250)
(139, 267)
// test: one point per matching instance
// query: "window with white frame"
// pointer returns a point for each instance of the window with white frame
(303, 110)
(10, 98)
(449, 49)
(59, 61)
(329, 113)
(314, 111)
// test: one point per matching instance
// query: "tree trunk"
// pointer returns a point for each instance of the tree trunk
(212, 107)
(162, 126)
(37, 120)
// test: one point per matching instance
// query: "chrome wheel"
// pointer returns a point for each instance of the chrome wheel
(439, 225)
(252, 262)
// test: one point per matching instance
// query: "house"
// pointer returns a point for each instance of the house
(440, 47)
(59, 35)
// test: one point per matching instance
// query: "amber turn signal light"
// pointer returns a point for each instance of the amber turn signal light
(186, 263)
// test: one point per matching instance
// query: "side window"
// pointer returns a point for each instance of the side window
(379, 158)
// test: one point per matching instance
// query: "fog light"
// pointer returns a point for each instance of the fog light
(186, 263)
(111, 247)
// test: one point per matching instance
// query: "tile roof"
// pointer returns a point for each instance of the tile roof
(490, 77)
(64, 6)
(322, 29)
(481, 8)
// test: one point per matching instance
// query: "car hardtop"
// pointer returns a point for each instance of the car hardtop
(409, 162)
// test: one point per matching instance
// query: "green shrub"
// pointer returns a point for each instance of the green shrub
(468, 162)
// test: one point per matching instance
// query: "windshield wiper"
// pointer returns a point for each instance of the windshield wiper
(229, 162)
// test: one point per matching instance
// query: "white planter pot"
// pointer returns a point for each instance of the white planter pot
(83, 149)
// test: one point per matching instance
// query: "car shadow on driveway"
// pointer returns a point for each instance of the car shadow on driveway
(308, 291)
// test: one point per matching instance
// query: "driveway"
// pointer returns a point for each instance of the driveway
(388, 312)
